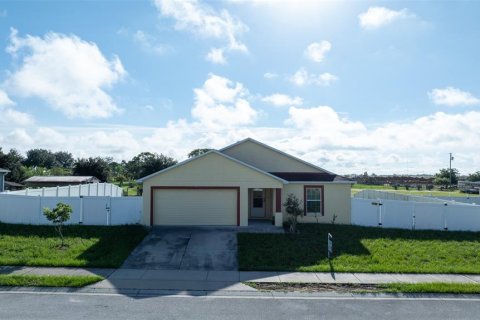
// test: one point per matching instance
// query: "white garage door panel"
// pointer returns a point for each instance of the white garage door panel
(195, 207)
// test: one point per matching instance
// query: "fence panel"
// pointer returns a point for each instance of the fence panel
(463, 218)
(397, 214)
(364, 213)
(430, 216)
(91, 189)
(95, 210)
(126, 210)
(19, 209)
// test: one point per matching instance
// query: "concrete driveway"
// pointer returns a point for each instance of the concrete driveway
(178, 248)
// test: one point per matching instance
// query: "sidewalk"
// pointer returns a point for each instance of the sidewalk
(144, 279)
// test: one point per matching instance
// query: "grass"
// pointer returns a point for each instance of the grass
(361, 249)
(435, 287)
(47, 281)
(431, 288)
(87, 246)
(413, 192)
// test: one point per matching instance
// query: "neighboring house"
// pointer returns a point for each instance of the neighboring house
(13, 186)
(3, 173)
(53, 181)
(246, 180)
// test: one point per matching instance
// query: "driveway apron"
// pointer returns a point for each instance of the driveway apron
(178, 248)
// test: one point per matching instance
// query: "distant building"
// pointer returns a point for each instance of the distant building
(469, 186)
(13, 186)
(53, 181)
(3, 173)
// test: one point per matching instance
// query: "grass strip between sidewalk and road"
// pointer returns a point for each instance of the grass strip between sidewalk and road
(433, 287)
(14, 280)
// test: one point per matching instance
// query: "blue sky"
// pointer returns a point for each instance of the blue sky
(384, 87)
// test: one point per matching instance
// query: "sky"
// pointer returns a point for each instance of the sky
(351, 86)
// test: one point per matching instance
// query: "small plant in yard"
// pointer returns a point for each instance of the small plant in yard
(334, 218)
(293, 207)
(58, 216)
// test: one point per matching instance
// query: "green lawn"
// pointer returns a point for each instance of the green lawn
(47, 281)
(361, 249)
(431, 288)
(87, 246)
(413, 192)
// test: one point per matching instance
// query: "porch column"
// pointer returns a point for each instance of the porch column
(278, 207)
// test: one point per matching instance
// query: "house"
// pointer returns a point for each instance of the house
(241, 182)
(54, 181)
(3, 173)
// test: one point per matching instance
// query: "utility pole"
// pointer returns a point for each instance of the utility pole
(451, 158)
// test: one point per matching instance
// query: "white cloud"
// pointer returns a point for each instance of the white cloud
(270, 75)
(222, 103)
(5, 99)
(376, 17)
(316, 51)
(149, 44)
(216, 55)
(203, 20)
(302, 77)
(12, 117)
(70, 74)
(452, 97)
(281, 100)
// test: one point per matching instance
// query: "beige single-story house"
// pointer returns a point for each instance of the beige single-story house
(244, 181)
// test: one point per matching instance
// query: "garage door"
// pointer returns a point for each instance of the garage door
(195, 207)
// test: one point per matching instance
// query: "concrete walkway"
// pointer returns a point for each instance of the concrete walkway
(145, 279)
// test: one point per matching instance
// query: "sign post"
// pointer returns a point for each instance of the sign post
(329, 246)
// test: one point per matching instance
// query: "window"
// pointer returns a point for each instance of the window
(313, 200)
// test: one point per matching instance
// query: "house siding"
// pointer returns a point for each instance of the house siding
(337, 201)
(267, 159)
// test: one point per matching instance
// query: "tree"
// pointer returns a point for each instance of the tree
(147, 163)
(442, 178)
(474, 176)
(64, 159)
(13, 161)
(97, 167)
(293, 207)
(58, 216)
(197, 152)
(40, 158)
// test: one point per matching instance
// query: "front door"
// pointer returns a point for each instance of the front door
(258, 203)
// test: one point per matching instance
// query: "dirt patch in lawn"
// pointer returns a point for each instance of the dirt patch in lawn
(314, 287)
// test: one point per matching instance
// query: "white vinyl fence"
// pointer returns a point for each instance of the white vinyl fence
(415, 215)
(86, 210)
(90, 189)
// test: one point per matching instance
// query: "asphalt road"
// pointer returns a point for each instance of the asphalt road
(82, 306)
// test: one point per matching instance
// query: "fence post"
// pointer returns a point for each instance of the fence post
(445, 226)
(81, 211)
(97, 189)
(26, 191)
(111, 189)
(80, 190)
(104, 189)
(88, 193)
(379, 211)
(43, 192)
(56, 192)
(39, 209)
(69, 189)
(413, 215)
